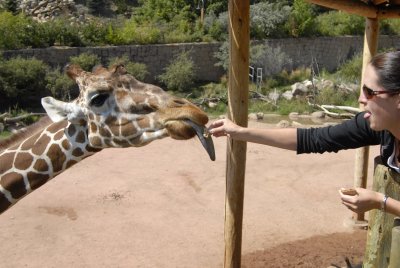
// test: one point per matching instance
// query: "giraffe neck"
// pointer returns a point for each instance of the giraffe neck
(39, 158)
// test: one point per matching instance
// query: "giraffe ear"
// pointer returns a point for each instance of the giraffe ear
(59, 110)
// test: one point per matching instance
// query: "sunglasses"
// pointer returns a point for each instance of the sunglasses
(369, 93)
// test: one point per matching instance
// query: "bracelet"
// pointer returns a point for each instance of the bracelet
(383, 204)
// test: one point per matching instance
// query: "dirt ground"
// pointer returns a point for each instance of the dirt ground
(163, 206)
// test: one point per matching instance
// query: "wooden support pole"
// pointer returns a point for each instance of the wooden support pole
(380, 225)
(238, 90)
(361, 162)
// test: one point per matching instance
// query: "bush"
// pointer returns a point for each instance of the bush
(272, 60)
(138, 70)
(336, 23)
(22, 80)
(133, 33)
(61, 86)
(267, 19)
(301, 20)
(351, 70)
(12, 30)
(86, 60)
(179, 74)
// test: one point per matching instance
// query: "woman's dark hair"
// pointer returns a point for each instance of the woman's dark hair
(387, 66)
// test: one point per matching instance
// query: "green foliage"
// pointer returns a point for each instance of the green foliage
(162, 10)
(60, 85)
(267, 19)
(336, 23)
(137, 70)
(134, 33)
(11, 6)
(301, 20)
(351, 70)
(86, 60)
(22, 79)
(336, 97)
(271, 59)
(179, 74)
(12, 30)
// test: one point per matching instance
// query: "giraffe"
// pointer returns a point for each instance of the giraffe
(113, 109)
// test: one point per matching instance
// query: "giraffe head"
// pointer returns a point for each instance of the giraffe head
(120, 111)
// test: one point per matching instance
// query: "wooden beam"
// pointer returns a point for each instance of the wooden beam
(378, 2)
(389, 13)
(350, 6)
(361, 162)
(238, 91)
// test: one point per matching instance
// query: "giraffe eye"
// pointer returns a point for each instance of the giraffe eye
(99, 99)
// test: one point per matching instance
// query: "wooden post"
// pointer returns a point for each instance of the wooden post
(361, 162)
(238, 90)
(379, 237)
(394, 261)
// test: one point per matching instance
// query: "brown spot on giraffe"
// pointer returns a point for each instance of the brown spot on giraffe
(14, 183)
(6, 161)
(29, 142)
(57, 157)
(4, 203)
(66, 145)
(41, 165)
(59, 135)
(81, 137)
(53, 128)
(71, 130)
(77, 152)
(23, 160)
(41, 144)
(36, 180)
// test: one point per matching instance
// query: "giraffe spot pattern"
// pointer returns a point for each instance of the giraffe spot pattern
(36, 180)
(23, 161)
(28, 144)
(93, 127)
(41, 165)
(95, 141)
(41, 145)
(14, 183)
(71, 163)
(55, 127)
(71, 130)
(4, 203)
(81, 137)
(59, 135)
(6, 161)
(57, 157)
(66, 145)
(77, 152)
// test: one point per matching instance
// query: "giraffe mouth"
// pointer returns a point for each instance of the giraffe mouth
(204, 137)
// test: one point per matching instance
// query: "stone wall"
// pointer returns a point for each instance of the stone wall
(327, 52)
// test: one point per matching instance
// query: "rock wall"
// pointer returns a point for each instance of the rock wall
(327, 52)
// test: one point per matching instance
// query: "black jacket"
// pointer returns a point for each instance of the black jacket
(353, 133)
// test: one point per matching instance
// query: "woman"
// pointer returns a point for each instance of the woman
(378, 124)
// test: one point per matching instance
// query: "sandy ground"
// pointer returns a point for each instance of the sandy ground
(163, 206)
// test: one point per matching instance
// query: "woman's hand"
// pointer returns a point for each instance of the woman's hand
(223, 127)
(363, 201)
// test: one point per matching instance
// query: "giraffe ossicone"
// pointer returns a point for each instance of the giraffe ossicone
(113, 109)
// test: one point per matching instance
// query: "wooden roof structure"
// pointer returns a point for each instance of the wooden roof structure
(374, 9)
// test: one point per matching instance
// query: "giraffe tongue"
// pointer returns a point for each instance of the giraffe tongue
(204, 138)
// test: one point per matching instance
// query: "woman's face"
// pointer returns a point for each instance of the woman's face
(383, 110)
